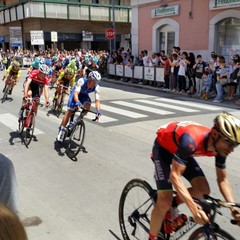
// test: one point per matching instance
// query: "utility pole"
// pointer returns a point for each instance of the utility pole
(113, 23)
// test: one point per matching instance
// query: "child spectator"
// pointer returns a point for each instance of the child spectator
(207, 83)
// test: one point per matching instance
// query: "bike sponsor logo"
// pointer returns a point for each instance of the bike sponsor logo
(183, 230)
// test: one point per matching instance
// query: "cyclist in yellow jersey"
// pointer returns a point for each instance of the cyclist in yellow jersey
(12, 76)
(72, 65)
(66, 78)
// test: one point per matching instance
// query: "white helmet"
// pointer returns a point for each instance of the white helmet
(95, 75)
(44, 69)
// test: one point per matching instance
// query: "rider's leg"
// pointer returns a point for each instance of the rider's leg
(162, 161)
(64, 123)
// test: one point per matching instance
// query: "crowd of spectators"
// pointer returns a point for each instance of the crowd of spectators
(185, 73)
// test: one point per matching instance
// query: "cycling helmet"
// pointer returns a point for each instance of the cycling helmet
(69, 71)
(229, 126)
(15, 63)
(48, 61)
(96, 76)
(36, 64)
(54, 58)
(44, 69)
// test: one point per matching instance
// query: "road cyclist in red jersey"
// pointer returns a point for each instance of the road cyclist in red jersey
(175, 147)
(36, 84)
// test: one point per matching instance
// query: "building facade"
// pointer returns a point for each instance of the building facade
(194, 25)
(65, 24)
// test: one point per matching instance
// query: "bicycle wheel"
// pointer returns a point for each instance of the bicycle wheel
(135, 207)
(199, 234)
(5, 94)
(28, 134)
(76, 139)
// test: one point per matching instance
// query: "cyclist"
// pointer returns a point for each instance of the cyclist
(36, 83)
(174, 149)
(12, 76)
(72, 65)
(80, 97)
(66, 78)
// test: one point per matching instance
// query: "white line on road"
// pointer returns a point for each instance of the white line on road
(189, 104)
(167, 106)
(122, 111)
(11, 122)
(143, 108)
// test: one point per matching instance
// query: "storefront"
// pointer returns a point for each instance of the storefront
(197, 26)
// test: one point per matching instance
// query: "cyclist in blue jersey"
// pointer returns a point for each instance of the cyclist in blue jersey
(80, 97)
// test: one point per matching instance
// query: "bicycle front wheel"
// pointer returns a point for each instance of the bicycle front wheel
(76, 139)
(135, 208)
(199, 234)
(5, 94)
(28, 134)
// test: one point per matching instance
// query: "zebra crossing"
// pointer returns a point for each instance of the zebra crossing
(120, 112)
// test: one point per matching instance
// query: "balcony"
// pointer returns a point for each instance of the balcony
(64, 10)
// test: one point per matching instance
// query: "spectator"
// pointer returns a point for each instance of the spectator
(199, 68)
(222, 73)
(174, 72)
(167, 71)
(153, 61)
(207, 83)
(191, 72)
(182, 63)
(11, 227)
(8, 186)
(232, 84)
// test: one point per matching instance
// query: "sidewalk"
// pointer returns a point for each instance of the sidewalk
(226, 103)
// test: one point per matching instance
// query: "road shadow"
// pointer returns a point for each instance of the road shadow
(15, 135)
(62, 150)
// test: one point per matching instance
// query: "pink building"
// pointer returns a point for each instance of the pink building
(194, 25)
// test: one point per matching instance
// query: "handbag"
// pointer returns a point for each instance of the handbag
(223, 81)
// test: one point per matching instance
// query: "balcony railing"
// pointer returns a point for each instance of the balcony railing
(64, 10)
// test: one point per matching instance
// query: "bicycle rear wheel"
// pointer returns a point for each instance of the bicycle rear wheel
(219, 234)
(28, 134)
(135, 207)
(76, 139)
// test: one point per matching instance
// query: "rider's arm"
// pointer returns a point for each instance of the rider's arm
(97, 98)
(177, 181)
(29, 80)
(45, 92)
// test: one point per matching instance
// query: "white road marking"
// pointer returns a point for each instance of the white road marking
(143, 108)
(11, 122)
(189, 104)
(167, 106)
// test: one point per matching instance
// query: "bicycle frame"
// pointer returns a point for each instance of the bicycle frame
(32, 106)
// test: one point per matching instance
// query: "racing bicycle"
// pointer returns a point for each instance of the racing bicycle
(75, 132)
(135, 206)
(7, 89)
(27, 122)
(58, 100)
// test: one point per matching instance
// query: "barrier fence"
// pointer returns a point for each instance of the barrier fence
(153, 74)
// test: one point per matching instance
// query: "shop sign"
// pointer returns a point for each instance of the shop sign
(87, 36)
(15, 36)
(219, 4)
(37, 37)
(54, 36)
(165, 11)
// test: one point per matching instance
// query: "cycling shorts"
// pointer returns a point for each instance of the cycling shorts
(35, 88)
(83, 98)
(162, 159)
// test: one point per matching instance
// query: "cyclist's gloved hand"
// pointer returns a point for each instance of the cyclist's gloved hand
(78, 104)
(47, 104)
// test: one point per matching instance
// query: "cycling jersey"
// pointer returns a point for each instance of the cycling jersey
(34, 76)
(13, 73)
(83, 96)
(181, 142)
(65, 81)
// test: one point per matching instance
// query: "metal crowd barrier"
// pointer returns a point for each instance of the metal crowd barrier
(154, 74)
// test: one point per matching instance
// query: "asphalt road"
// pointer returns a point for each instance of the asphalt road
(79, 199)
